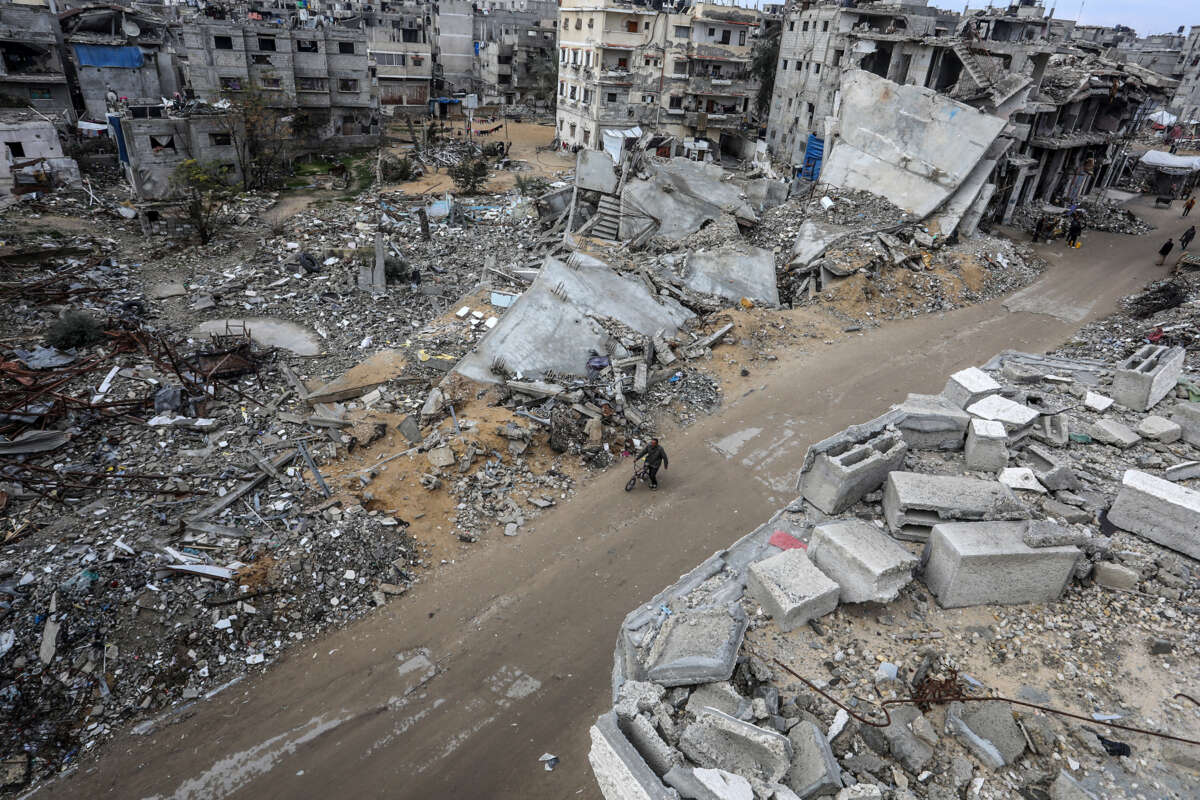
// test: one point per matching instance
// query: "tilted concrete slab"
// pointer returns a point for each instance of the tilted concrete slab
(1017, 418)
(914, 502)
(722, 742)
(595, 171)
(791, 589)
(1158, 510)
(862, 560)
(814, 238)
(681, 197)
(909, 144)
(620, 770)
(931, 422)
(733, 273)
(697, 646)
(543, 332)
(979, 563)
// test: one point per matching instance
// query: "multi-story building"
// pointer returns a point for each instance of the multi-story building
(516, 53)
(1160, 52)
(1186, 103)
(685, 75)
(31, 67)
(322, 71)
(454, 47)
(401, 59)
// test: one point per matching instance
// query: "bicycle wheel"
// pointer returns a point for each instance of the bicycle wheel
(632, 483)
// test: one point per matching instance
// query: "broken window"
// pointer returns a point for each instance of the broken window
(572, 130)
(785, 63)
(223, 42)
(346, 48)
(804, 27)
(261, 58)
(591, 24)
(562, 55)
(307, 46)
(798, 65)
(647, 98)
(220, 139)
(647, 63)
(611, 98)
(816, 69)
(791, 25)
(837, 57)
(409, 35)
(622, 63)
(825, 26)
(266, 43)
(15, 149)
(578, 23)
(271, 83)
(676, 101)
(39, 94)
(311, 84)
(631, 26)
(683, 32)
(162, 143)
(231, 84)
(681, 68)
(347, 85)
(571, 92)
(712, 32)
(562, 89)
(741, 37)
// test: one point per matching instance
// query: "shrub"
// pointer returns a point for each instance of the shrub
(74, 329)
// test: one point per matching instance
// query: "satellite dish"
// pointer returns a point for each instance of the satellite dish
(131, 28)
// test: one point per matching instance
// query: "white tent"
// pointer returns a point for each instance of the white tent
(1171, 164)
(1162, 118)
(614, 140)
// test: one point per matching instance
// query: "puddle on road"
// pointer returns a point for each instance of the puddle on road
(268, 332)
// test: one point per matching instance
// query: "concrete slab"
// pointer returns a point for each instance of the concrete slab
(267, 332)
(733, 273)
(551, 326)
(595, 171)
(721, 696)
(914, 502)
(697, 783)
(719, 741)
(1109, 431)
(846, 472)
(1159, 429)
(1052, 472)
(931, 422)
(980, 563)
(814, 771)
(988, 730)
(1021, 478)
(1147, 376)
(969, 386)
(697, 646)
(681, 197)
(1016, 418)
(1187, 416)
(862, 560)
(813, 240)
(1099, 403)
(987, 446)
(1163, 512)
(620, 770)
(791, 589)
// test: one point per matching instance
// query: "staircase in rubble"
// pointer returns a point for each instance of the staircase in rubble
(608, 221)
(972, 66)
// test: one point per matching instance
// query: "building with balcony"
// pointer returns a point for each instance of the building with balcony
(31, 66)
(401, 59)
(516, 51)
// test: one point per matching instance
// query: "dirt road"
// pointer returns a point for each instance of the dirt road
(455, 691)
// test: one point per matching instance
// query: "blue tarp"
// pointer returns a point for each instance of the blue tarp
(103, 55)
(114, 121)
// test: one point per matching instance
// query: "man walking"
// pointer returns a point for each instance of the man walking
(1165, 251)
(1187, 237)
(1073, 232)
(655, 456)
(1189, 205)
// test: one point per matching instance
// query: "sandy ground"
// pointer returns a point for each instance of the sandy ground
(456, 690)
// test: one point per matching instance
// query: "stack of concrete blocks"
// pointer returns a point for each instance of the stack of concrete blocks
(845, 473)
(791, 589)
(987, 446)
(980, 563)
(1018, 419)
(931, 422)
(969, 386)
(1146, 377)
(915, 502)
(865, 563)
(1163, 512)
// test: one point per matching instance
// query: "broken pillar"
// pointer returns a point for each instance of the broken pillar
(697, 645)
(1017, 419)
(1155, 509)
(931, 422)
(987, 446)
(914, 502)
(814, 771)
(969, 386)
(1147, 376)
(981, 563)
(791, 589)
(620, 770)
(844, 474)
(720, 741)
(866, 564)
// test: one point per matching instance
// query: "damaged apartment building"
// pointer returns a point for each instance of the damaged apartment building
(400, 54)
(682, 72)
(1066, 109)
(31, 66)
(515, 46)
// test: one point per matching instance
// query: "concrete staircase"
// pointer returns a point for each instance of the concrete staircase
(971, 65)
(609, 218)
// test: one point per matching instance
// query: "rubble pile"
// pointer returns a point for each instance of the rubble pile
(1096, 215)
(1047, 508)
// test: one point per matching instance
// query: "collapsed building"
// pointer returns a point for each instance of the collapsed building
(32, 159)
(153, 139)
(31, 65)
(680, 72)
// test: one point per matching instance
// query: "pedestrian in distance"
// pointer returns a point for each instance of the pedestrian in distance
(1073, 233)
(1165, 250)
(1188, 206)
(1186, 238)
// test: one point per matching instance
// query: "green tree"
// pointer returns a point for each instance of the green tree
(762, 67)
(262, 134)
(470, 175)
(204, 187)
(544, 70)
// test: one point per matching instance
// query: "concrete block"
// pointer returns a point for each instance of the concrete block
(1163, 512)
(988, 730)
(1147, 376)
(791, 589)
(697, 646)
(1097, 402)
(1051, 471)
(721, 696)
(814, 771)
(620, 770)
(1109, 431)
(1052, 429)
(1187, 416)
(1114, 576)
(708, 784)
(865, 563)
(987, 446)
(642, 734)
(1017, 418)
(1183, 471)
(719, 741)
(931, 422)
(979, 563)
(969, 386)
(844, 474)
(1159, 429)
(1021, 478)
(914, 502)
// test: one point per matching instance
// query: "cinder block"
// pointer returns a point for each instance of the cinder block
(1187, 416)
(791, 589)
(814, 771)
(843, 475)
(719, 741)
(1158, 510)
(969, 386)
(1147, 376)
(980, 563)
(865, 563)
(987, 446)
(641, 733)
(931, 422)
(620, 770)
(914, 502)
(1052, 472)
(1017, 419)
(697, 646)
(1052, 429)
